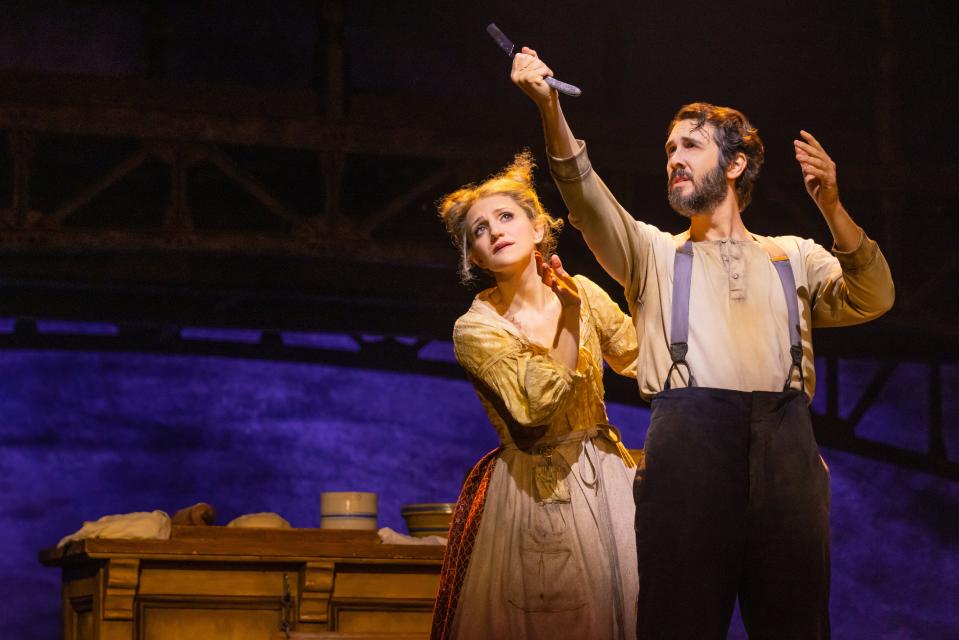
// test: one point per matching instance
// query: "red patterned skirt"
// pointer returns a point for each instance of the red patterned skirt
(459, 548)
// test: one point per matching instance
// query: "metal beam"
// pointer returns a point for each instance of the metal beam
(54, 220)
(394, 207)
(251, 185)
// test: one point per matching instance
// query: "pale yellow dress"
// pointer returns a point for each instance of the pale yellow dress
(555, 554)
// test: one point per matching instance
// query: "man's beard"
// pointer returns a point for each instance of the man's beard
(705, 197)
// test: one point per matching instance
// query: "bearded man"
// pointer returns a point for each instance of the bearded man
(735, 497)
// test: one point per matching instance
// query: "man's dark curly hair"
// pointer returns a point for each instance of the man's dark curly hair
(734, 134)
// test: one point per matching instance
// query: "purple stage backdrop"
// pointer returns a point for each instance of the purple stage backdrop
(88, 434)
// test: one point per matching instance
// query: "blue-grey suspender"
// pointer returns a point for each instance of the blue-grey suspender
(679, 325)
(783, 268)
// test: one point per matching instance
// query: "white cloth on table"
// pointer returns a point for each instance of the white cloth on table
(389, 536)
(138, 525)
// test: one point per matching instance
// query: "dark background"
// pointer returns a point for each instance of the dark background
(222, 277)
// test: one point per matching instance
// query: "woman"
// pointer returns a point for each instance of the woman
(542, 542)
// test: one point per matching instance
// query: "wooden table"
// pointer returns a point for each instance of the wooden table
(233, 584)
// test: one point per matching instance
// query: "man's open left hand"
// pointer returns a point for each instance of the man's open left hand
(818, 172)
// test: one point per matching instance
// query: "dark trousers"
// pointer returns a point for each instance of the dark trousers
(734, 502)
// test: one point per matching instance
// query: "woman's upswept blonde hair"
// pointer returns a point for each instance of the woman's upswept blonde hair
(515, 181)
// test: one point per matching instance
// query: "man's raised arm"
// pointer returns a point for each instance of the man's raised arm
(866, 289)
(528, 74)
(615, 238)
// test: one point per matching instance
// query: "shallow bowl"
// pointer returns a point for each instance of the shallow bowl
(428, 518)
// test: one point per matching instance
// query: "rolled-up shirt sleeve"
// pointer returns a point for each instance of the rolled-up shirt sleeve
(850, 287)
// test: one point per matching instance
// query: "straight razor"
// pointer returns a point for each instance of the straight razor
(510, 49)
